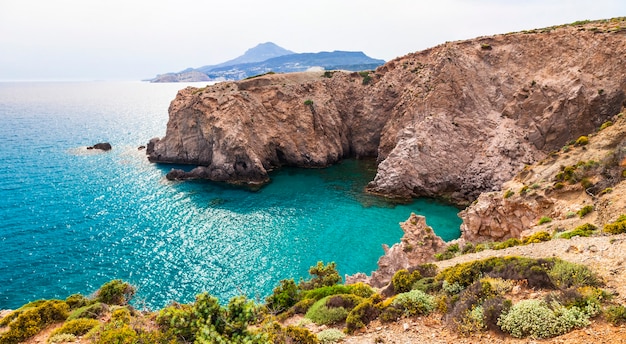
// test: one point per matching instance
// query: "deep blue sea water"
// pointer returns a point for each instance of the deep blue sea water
(73, 219)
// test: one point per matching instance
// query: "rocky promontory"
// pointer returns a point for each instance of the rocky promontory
(452, 121)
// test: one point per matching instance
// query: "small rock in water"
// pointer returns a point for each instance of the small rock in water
(105, 146)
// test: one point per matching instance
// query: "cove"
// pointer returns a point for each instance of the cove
(71, 219)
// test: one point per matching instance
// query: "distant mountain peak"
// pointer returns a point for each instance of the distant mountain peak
(259, 53)
(268, 56)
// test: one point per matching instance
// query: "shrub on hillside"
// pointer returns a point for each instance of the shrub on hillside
(32, 318)
(617, 227)
(564, 275)
(537, 319)
(616, 315)
(331, 335)
(414, 302)
(283, 297)
(361, 315)
(321, 314)
(92, 311)
(402, 281)
(76, 301)
(584, 230)
(76, 327)
(537, 238)
(116, 292)
(323, 275)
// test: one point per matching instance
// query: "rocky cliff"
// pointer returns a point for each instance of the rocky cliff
(452, 121)
(582, 183)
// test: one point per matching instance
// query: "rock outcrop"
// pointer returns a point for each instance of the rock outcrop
(452, 121)
(105, 146)
(590, 173)
(417, 246)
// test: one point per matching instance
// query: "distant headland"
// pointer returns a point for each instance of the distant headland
(269, 57)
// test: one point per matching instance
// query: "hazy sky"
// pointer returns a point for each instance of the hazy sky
(131, 39)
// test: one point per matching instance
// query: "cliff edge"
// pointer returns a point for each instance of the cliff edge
(452, 121)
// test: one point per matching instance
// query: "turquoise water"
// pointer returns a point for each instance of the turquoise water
(72, 219)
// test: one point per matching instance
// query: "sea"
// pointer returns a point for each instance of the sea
(72, 219)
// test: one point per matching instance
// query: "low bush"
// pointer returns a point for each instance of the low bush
(616, 315)
(283, 297)
(303, 306)
(536, 319)
(323, 276)
(300, 335)
(62, 338)
(581, 141)
(564, 275)
(414, 302)
(506, 244)
(323, 314)
(427, 285)
(537, 238)
(493, 308)
(77, 301)
(508, 193)
(331, 335)
(92, 311)
(544, 219)
(402, 281)
(32, 318)
(115, 292)
(584, 230)
(361, 315)
(606, 125)
(76, 327)
(617, 227)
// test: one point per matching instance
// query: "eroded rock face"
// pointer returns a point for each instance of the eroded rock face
(418, 245)
(452, 121)
(557, 188)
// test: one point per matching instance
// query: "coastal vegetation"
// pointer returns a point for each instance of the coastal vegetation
(473, 297)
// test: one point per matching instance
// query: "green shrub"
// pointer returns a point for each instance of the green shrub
(328, 74)
(564, 275)
(298, 335)
(534, 271)
(284, 296)
(321, 292)
(62, 338)
(472, 322)
(581, 141)
(584, 211)
(118, 335)
(360, 289)
(76, 327)
(584, 230)
(321, 314)
(617, 227)
(523, 190)
(361, 315)
(414, 302)
(76, 301)
(308, 102)
(402, 281)
(121, 316)
(506, 244)
(179, 319)
(331, 335)
(509, 193)
(544, 219)
(32, 318)
(558, 186)
(116, 292)
(323, 276)
(303, 306)
(366, 77)
(537, 238)
(92, 311)
(616, 315)
(493, 308)
(586, 183)
(536, 319)
(427, 285)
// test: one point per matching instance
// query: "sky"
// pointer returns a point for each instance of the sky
(137, 39)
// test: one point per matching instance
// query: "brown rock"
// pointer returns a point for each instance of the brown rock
(418, 245)
(453, 121)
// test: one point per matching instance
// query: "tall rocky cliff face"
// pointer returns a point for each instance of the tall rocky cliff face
(452, 121)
